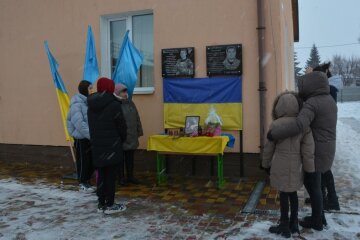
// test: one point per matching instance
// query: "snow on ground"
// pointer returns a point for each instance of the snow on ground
(40, 211)
(347, 158)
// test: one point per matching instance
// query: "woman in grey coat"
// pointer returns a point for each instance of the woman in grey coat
(134, 131)
(287, 159)
(330, 198)
(78, 128)
(320, 113)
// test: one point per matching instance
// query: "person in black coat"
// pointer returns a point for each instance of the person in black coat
(107, 133)
(333, 90)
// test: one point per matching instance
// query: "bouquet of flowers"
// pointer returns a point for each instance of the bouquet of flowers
(212, 123)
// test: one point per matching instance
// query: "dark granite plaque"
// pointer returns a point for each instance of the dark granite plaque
(224, 60)
(178, 62)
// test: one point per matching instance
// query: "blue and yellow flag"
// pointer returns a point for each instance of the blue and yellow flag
(127, 65)
(194, 96)
(91, 69)
(63, 97)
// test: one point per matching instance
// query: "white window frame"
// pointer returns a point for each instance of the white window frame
(105, 43)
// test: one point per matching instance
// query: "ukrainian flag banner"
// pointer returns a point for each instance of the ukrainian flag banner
(194, 96)
(127, 65)
(61, 92)
(91, 69)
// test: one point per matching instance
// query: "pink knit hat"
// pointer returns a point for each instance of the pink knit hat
(119, 88)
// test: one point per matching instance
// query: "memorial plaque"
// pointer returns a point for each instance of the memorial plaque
(224, 60)
(178, 62)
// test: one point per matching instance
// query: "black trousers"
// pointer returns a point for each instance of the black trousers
(106, 185)
(129, 164)
(312, 183)
(285, 198)
(83, 160)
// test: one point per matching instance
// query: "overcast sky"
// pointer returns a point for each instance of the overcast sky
(328, 23)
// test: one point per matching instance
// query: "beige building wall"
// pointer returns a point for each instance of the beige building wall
(29, 112)
(279, 60)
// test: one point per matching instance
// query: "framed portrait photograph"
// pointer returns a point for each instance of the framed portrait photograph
(178, 62)
(224, 60)
(192, 125)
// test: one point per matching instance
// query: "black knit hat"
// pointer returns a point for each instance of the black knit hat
(83, 87)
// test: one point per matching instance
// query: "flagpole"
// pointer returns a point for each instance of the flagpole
(72, 176)
(72, 154)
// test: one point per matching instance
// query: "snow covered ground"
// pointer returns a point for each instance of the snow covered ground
(44, 211)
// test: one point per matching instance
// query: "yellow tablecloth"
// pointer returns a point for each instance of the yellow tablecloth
(191, 145)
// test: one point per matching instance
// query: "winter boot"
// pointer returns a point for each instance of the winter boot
(324, 222)
(294, 206)
(323, 189)
(332, 202)
(294, 225)
(282, 228)
(312, 222)
(312, 182)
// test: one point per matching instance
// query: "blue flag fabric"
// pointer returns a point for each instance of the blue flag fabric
(203, 90)
(91, 69)
(231, 142)
(58, 82)
(127, 65)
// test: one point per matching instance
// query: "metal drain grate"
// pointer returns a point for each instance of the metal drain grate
(254, 198)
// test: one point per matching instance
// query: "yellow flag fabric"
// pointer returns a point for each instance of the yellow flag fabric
(175, 114)
(195, 145)
(64, 103)
(195, 96)
(60, 89)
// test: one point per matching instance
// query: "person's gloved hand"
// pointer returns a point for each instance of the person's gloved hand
(269, 136)
(267, 170)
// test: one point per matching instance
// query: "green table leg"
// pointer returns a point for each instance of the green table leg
(160, 167)
(163, 170)
(220, 168)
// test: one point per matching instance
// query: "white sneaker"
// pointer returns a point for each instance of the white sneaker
(115, 208)
(85, 187)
